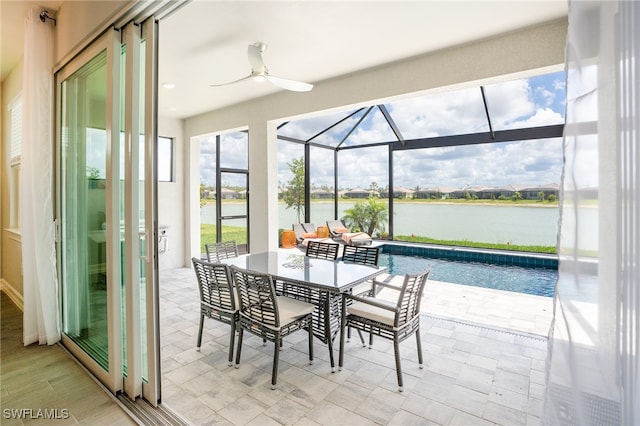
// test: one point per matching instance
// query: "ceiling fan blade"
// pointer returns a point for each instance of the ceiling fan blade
(254, 52)
(249, 77)
(296, 86)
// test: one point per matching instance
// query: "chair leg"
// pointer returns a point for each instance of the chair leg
(310, 343)
(327, 334)
(199, 343)
(370, 337)
(232, 341)
(396, 350)
(343, 324)
(276, 354)
(419, 342)
(239, 350)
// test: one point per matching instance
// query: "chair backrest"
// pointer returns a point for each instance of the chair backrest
(220, 251)
(360, 254)
(336, 227)
(309, 228)
(215, 283)
(410, 297)
(257, 296)
(299, 230)
(322, 250)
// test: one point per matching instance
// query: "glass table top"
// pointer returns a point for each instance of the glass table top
(297, 268)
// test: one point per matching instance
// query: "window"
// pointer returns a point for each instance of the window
(165, 159)
(15, 111)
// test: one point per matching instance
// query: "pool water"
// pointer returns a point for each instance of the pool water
(536, 281)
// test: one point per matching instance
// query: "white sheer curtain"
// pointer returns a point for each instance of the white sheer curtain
(593, 360)
(40, 287)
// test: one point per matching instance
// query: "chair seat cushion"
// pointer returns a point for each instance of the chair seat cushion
(310, 235)
(291, 309)
(356, 238)
(373, 312)
(340, 230)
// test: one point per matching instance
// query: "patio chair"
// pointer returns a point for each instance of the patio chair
(395, 320)
(220, 251)
(269, 316)
(336, 228)
(217, 298)
(322, 250)
(301, 232)
(363, 256)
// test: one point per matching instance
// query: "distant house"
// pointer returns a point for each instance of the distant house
(227, 194)
(533, 193)
(491, 193)
(399, 192)
(357, 193)
(437, 192)
(322, 194)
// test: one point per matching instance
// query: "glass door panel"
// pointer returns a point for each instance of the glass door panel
(224, 196)
(234, 207)
(84, 200)
(90, 291)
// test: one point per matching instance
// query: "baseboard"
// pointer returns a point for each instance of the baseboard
(12, 293)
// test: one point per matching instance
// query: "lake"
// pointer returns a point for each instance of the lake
(521, 225)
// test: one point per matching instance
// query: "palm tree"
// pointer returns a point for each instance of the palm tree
(368, 216)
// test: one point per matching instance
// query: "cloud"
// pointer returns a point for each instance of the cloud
(532, 102)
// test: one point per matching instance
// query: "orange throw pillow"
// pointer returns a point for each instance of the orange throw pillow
(340, 230)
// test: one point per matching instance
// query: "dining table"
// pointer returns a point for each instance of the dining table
(318, 281)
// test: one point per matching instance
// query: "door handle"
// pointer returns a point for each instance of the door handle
(143, 237)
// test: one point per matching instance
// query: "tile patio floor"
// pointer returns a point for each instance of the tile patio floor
(484, 364)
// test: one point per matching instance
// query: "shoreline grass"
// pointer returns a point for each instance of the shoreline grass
(476, 244)
(208, 235)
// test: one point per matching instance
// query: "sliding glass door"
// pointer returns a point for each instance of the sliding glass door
(89, 249)
(106, 209)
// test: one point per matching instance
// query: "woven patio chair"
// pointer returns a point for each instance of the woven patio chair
(269, 316)
(220, 251)
(395, 320)
(362, 256)
(322, 250)
(217, 298)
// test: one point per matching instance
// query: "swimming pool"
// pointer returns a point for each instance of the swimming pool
(499, 272)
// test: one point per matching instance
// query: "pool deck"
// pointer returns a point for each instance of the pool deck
(484, 350)
(494, 308)
(499, 309)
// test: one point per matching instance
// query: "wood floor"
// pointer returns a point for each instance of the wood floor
(43, 384)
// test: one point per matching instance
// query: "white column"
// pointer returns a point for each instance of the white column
(263, 186)
(192, 199)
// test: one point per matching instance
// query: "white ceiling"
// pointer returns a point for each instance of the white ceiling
(205, 42)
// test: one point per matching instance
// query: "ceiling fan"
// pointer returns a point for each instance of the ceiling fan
(259, 72)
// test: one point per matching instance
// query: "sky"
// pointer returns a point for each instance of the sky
(529, 102)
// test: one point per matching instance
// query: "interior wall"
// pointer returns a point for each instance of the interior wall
(11, 242)
(171, 198)
(516, 54)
